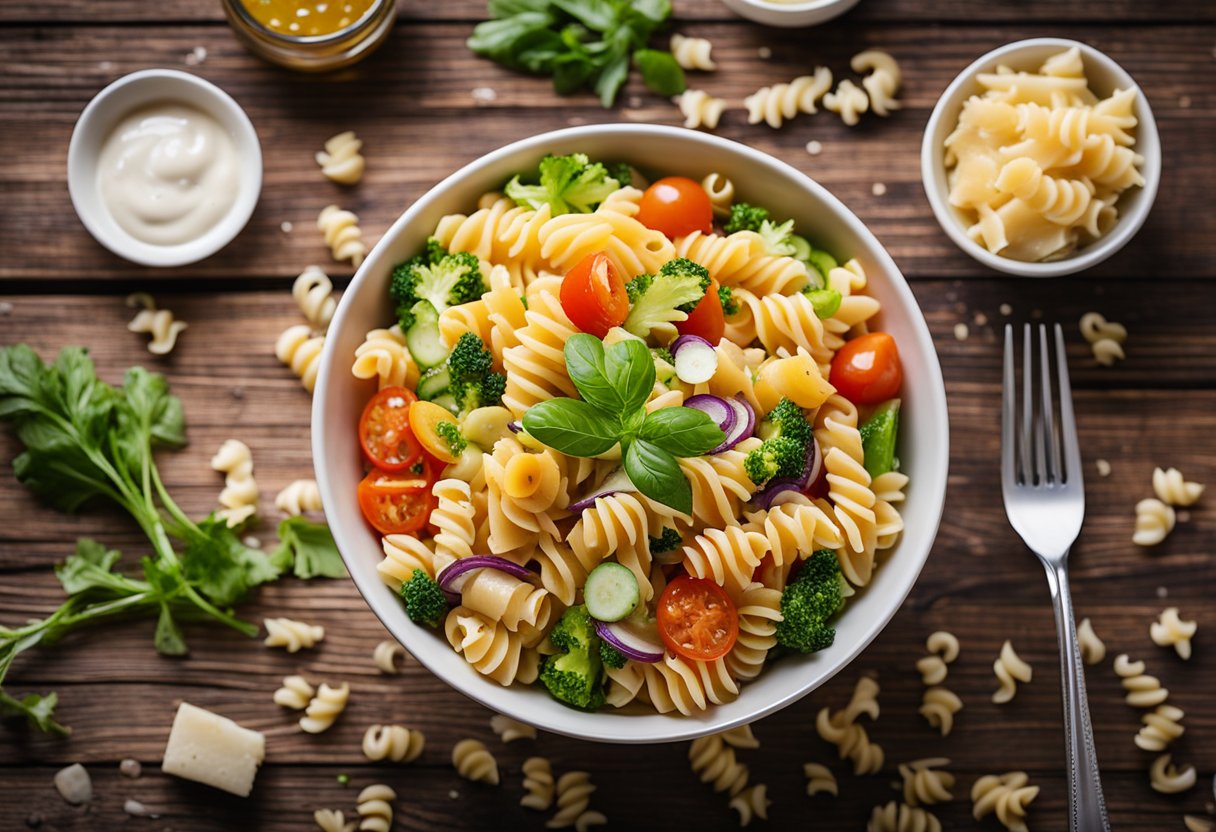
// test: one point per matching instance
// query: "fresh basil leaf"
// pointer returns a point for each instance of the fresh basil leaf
(586, 364)
(682, 431)
(498, 39)
(825, 302)
(572, 427)
(611, 78)
(168, 639)
(660, 72)
(630, 370)
(507, 8)
(657, 474)
(538, 50)
(307, 549)
(655, 11)
(598, 15)
(570, 72)
(632, 423)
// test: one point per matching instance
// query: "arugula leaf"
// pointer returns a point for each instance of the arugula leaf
(308, 549)
(657, 474)
(660, 72)
(597, 15)
(168, 639)
(92, 567)
(682, 431)
(220, 566)
(630, 370)
(506, 8)
(572, 426)
(586, 366)
(500, 40)
(39, 710)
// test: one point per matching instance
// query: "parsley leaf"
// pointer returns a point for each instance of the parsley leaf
(308, 549)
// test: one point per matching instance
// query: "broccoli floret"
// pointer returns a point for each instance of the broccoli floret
(730, 306)
(668, 540)
(662, 354)
(610, 656)
(424, 600)
(744, 217)
(450, 434)
(473, 384)
(450, 280)
(575, 676)
(781, 456)
(809, 603)
(666, 297)
(621, 172)
(787, 419)
(469, 358)
(568, 185)
(825, 302)
(434, 251)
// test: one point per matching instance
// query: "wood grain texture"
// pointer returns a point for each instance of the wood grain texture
(407, 96)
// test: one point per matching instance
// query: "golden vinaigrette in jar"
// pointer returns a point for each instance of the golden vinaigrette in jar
(311, 35)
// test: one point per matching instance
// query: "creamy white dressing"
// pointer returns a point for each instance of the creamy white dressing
(168, 173)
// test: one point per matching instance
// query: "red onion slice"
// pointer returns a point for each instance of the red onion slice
(718, 409)
(745, 425)
(453, 577)
(630, 641)
(615, 483)
(695, 359)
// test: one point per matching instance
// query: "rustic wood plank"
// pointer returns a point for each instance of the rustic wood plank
(407, 96)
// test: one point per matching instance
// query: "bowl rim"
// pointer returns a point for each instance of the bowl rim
(84, 148)
(681, 728)
(932, 165)
(794, 8)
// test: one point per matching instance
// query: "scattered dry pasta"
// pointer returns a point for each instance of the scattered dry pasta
(740, 737)
(849, 101)
(375, 808)
(938, 707)
(1009, 669)
(393, 742)
(159, 323)
(313, 292)
(1093, 651)
(1006, 796)
(692, 53)
(295, 693)
(1105, 338)
(751, 802)
(1171, 631)
(900, 817)
(943, 648)
(473, 762)
(1143, 691)
(1154, 521)
(1161, 727)
(777, 104)
(1194, 823)
(819, 778)
(341, 160)
(538, 783)
(851, 740)
(291, 635)
(1173, 489)
(342, 234)
(389, 656)
(700, 109)
(299, 497)
(325, 708)
(883, 81)
(239, 499)
(574, 790)
(331, 820)
(924, 783)
(715, 763)
(300, 350)
(510, 730)
(1167, 778)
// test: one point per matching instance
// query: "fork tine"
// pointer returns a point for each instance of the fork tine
(1050, 460)
(1009, 414)
(1068, 425)
(1027, 426)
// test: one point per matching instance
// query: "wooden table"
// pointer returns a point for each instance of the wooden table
(413, 105)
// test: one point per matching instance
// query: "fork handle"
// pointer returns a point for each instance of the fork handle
(1087, 807)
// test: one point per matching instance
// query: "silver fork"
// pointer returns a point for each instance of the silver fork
(1045, 501)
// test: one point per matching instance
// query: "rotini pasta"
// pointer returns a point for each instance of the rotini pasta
(713, 760)
(740, 737)
(510, 730)
(375, 807)
(1161, 727)
(324, 708)
(777, 104)
(538, 783)
(688, 686)
(331, 820)
(819, 778)
(389, 656)
(938, 707)
(473, 761)
(900, 817)
(313, 292)
(692, 53)
(300, 350)
(491, 648)
(384, 357)
(727, 556)
(751, 802)
(295, 693)
(848, 101)
(1143, 690)
(759, 611)
(299, 497)
(742, 260)
(342, 234)
(1173, 489)
(291, 635)
(1194, 823)
(159, 323)
(1167, 778)
(1104, 337)
(574, 789)
(239, 499)
(1009, 669)
(925, 783)
(1006, 796)
(1154, 521)
(393, 742)
(404, 553)
(883, 81)
(341, 160)
(700, 109)
(851, 741)
(1171, 631)
(1093, 651)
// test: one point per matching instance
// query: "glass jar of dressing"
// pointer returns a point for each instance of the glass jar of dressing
(311, 35)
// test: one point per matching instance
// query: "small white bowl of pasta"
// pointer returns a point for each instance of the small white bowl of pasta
(790, 14)
(357, 339)
(1042, 158)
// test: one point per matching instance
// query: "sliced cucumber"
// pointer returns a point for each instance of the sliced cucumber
(610, 592)
(448, 402)
(802, 248)
(878, 437)
(422, 338)
(434, 383)
(822, 262)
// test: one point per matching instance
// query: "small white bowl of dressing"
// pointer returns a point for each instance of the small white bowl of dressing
(164, 168)
(788, 14)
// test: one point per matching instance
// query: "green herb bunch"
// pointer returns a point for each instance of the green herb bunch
(580, 43)
(87, 441)
(615, 383)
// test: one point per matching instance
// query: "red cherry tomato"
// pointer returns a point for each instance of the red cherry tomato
(593, 295)
(396, 503)
(676, 206)
(706, 319)
(384, 430)
(866, 370)
(697, 619)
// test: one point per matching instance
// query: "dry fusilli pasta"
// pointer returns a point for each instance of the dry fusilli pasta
(1171, 631)
(299, 497)
(700, 109)
(900, 817)
(1006, 795)
(851, 741)
(295, 693)
(291, 635)
(848, 101)
(776, 104)
(714, 762)
(1173, 489)
(1161, 727)
(342, 234)
(1009, 669)
(331, 820)
(574, 790)
(313, 292)
(473, 762)
(341, 160)
(924, 783)
(538, 783)
(300, 350)
(1154, 521)
(938, 707)
(159, 323)
(1104, 337)
(510, 730)
(819, 778)
(324, 708)
(1167, 778)
(393, 742)
(388, 657)
(751, 802)
(375, 807)
(1143, 691)
(1093, 651)
(239, 499)
(883, 81)
(692, 53)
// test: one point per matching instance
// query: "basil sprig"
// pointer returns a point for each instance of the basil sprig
(614, 383)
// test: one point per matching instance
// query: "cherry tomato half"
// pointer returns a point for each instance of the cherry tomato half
(384, 430)
(697, 619)
(706, 319)
(396, 503)
(593, 295)
(676, 206)
(866, 370)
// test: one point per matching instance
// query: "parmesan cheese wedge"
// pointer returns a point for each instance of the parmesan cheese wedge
(212, 749)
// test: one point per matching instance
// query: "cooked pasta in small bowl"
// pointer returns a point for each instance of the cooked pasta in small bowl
(1042, 158)
(622, 449)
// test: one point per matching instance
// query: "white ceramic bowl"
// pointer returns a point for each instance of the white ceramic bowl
(109, 107)
(790, 15)
(339, 399)
(1105, 76)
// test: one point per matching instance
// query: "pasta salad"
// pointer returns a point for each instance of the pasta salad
(628, 442)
